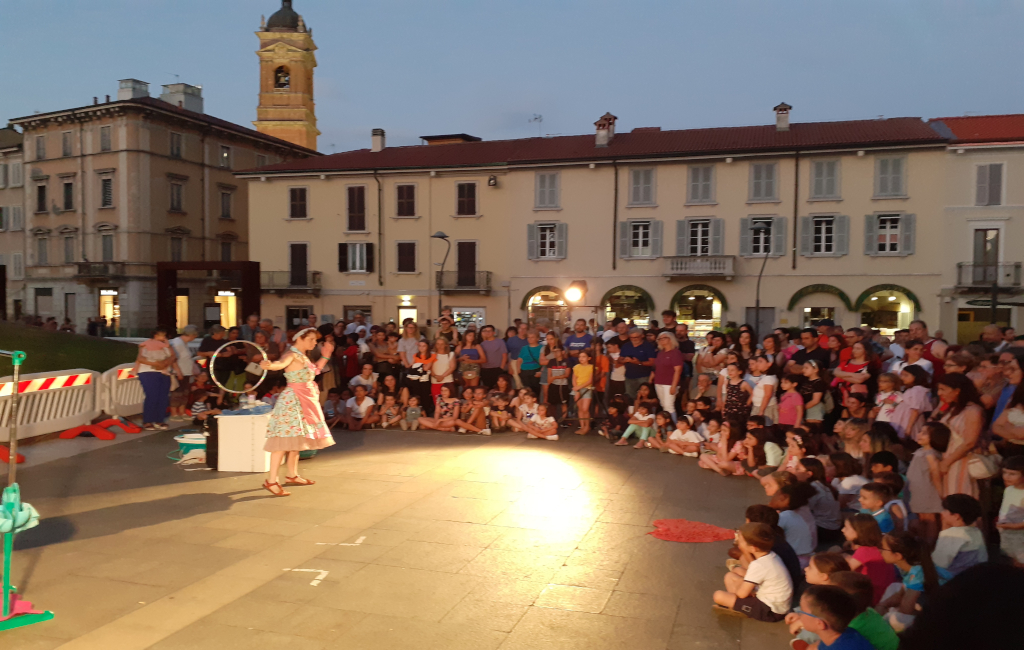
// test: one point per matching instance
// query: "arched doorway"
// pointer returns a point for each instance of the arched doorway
(887, 307)
(810, 314)
(700, 306)
(629, 302)
(546, 302)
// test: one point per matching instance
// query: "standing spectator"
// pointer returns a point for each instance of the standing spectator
(554, 374)
(471, 357)
(669, 322)
(408, 345)
(274, 334)
(183, 356)
(578, 341)
(496, 353)
(616, 384)
(252, 325)
(515, 339)
(152, 367)
(960, 410)
(443, 370)
(447, 332)
(639, 356)
(619, 329)
(358, 321)
(934, 349)
(529, 362)
(811, 351)
(914, 356)
(68, 326)
(668, 371)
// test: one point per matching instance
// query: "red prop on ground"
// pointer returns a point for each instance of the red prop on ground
(5, 456)
(97, 431)
(681, 530)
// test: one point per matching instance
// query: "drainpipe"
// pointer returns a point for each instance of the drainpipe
(81, 189)
(796, 206)
(202, 193)
(380, 231)
(615, 216)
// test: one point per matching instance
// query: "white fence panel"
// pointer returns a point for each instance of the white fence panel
(50, 402)
(121, 392)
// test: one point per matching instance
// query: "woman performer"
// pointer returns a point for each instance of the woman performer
(297, 423)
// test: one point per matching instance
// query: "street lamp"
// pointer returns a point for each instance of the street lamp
(576, 291)
(440, 278)
(762, 229)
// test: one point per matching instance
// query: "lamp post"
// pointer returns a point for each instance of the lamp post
(759, 228)
(440, 278)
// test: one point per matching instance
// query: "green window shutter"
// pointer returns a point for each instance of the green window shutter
(531, 241)
(842, 235)
(717, 246)
(561, 240)
(806, 235)
(624, 239)
(682, 232)
(746, 238)
(871, 234)
(908, 234)
(657, 234)
(778, 236)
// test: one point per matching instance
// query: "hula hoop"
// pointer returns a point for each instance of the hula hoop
(213, 377)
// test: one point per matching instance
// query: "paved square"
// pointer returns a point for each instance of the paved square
(429, 541)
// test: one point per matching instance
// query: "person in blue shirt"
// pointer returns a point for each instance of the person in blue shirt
(639, 355)
(826, 610)
(873, 498)
(578, 341)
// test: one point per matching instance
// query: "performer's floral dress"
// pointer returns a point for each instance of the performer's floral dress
(297, 423)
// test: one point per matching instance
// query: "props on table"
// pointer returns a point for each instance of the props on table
(213, 361)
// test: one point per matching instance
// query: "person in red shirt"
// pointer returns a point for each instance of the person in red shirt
(346, 357)
(824, 327)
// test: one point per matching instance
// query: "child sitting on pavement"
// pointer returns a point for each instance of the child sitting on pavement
(765, 589)
(391, 412)
(411, 418)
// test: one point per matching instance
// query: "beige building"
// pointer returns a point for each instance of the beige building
(12, 221)
(650, 219)
(112, 188)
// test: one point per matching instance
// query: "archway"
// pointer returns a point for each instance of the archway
(887, 307)
(629, 302)
(700, 306)
(811, 314)
(545, 302)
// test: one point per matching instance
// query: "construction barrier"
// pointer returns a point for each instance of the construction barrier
(120, 392)
(50, 402)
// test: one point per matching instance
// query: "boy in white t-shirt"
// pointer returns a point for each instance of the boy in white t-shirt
(1011, 511)
(361, 410)
(685, 440)
(765, 590)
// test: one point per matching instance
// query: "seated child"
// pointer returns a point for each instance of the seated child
(641, 423)
(204, 406)
(1011, 512)
(873, 498)
(887, 398)
(411, 419)
(826, 612)
(865, 540)
(391, 412)
(334, 407)
(795, 518)
(760, 513)
(618, 421)
(474, 411)
(847, 481)
(960, 545)
(819, 571)
(764, 591)
(868, 622)
(541, 425)
(895, 506)
(919, 576)
(662, 428)
(361, 410)
(500, 413)
(710, 429)
(685, 440)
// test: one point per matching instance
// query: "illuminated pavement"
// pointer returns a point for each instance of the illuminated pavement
(428, 540)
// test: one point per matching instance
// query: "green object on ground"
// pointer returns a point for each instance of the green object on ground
(61, 351)
(13, 507)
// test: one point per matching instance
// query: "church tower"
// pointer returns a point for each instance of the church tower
(286, 108)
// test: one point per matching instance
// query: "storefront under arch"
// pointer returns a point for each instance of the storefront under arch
(700, 307)
(630, 302)
(811, 313)
(887, 307)
(546, 301)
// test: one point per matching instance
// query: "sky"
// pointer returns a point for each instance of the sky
(486, 68)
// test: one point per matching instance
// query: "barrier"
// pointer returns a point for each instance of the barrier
(120, 392)
(50, 402)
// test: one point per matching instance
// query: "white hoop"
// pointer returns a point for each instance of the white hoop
(213, 377)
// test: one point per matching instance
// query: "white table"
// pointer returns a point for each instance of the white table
(241, 443)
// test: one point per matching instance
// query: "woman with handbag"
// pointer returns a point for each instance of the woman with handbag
(471, 357)
(961, 411)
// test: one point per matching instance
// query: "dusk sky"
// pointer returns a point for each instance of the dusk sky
(427, 67)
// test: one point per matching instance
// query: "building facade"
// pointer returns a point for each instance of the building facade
(112, 188)
(650, 220)
(12, 222)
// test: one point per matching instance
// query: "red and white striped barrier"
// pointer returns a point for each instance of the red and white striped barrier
(47, 383)
(50, 402)
(120, 392)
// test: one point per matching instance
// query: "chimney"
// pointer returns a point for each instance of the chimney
(782, 116)
(95, 100)
(108, 99)
(605, 130)
(377, 140)
(132, 89)
(184, 96)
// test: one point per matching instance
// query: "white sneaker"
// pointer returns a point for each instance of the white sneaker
(673, 451)
(690, 454)
(485, 432)
(461, 430)
(531, 436)
(554, 437)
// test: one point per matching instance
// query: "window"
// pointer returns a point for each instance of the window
(356, 208)
(889, 234)
(546, 247)
(547, 241)
(106, 192)
(41, 198)
(355, 257)
(763, 235)
(69, 195)
(3, 176)
(40, 147)
(298, 265)
(699, 240)
(406, 257)
(761, 238)
(65, 144)
(17, 266)
(640, 239)
(225, 157)
(406, 204)
(16, 218)
(546, 192)
(176, 192)
(105, 138)
(701, 189)
(5, 217)
(16, 173)
(42, 251)
(641, 190)
(69, 249)
(177, 245)
(225, 205)
(825, 179)
(889, 177)
(762, 182)
(225, 251)
(466, 205)
(261, 160)
(107, 244)
(824, 236)
(989, 185)
(297, 203)
(175, 149)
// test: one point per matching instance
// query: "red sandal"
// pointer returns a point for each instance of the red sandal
(275, 489)
(298, 480)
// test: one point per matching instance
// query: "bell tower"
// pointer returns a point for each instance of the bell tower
(286, 109)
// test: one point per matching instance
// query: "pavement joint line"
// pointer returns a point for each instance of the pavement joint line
(357, 543)
(317, 580)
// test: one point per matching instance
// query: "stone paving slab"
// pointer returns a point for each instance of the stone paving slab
(430, 541)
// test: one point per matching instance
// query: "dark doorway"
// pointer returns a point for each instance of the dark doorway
(466, 263)
(297, 316)
(298, 265)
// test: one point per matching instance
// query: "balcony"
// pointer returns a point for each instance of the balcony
(456, 281)
(99, 270)
(291, 282)
(707, 266)
(983, 276)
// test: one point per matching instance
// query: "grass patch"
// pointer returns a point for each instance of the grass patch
(49, 351)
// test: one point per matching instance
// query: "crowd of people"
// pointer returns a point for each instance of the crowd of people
(891, 465)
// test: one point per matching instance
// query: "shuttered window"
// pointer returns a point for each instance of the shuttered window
(175, 145)
(16, 218)
(466, 199)
(641, 190)
(762, 182)
(701, 188)
(989, 185)
(889, 234)
(297, 203)
(355, 257)
(69, 195)
(546, 241)
(16, 175)
(106, 192)
(406, 196)
(176, 199)
(356, 208)
(889, 177)
(546, 191)
(176, 249)
(407, 257)
(66, 144)
(825, 179)
(107, 248)
(42, 251)
(69, 249)
(225, 205)
(105, 144)
(640, 238)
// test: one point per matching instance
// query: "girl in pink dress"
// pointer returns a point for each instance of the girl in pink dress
(297, 423)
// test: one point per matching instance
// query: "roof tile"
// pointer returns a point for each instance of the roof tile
(985, 128)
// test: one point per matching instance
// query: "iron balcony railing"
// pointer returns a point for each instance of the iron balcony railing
(290, 281)
(462, 281)
(99, 270)
(694, 266)
(973, 274)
